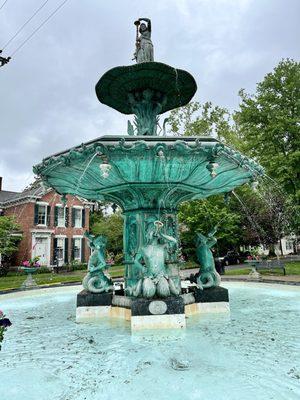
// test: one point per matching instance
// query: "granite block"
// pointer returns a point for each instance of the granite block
(211, 295)
(88, 299)
(170, 305)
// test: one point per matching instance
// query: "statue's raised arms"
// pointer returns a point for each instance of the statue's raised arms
(144, 46)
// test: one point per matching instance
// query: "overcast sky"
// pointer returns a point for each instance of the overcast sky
(47, 97)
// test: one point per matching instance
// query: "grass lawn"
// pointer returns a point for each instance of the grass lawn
(15, 280)
(292, 268)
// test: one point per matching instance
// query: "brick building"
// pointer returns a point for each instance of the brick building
(50, 230)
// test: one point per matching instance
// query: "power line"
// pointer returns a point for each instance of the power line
(39, 27)
(23, 26)
(3, 4)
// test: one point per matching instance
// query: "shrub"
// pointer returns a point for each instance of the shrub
(4, 268)
(43, 270)
(118, 258)
(77, 266)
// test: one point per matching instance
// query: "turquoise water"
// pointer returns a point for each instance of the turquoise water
(253, 354)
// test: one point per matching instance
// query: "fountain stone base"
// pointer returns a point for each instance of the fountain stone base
(211, 300)
(157, 313)
(92, 306)
(143, 314)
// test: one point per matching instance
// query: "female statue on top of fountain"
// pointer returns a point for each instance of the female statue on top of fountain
(144, 46)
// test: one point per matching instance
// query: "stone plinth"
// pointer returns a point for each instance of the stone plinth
(93, 306)
(88, 299)
(212, 300)
(211, 295)
(143, 314)
(157, 314)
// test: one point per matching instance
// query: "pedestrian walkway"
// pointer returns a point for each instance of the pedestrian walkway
(287, 279)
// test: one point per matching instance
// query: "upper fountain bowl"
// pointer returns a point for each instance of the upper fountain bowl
(140, 172)
(113, 89)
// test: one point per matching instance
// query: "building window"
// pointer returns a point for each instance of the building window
(77, 217)
(60, 251)
(77, 248)
(42, 214)
(61, 217)
(289, 245)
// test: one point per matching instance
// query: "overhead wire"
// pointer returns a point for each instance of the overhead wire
(25, 23)
(3, 4)
(40, 26)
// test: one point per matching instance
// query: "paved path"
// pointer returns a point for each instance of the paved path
(289, 279)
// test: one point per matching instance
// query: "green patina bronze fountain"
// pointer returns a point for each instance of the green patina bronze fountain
(149, 175)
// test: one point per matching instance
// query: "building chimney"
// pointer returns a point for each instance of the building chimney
(0, 183)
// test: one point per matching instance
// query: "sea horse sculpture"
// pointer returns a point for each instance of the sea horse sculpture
(96, 281)
(207, 276)
(155, 280)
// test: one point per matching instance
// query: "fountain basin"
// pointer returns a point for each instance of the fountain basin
(250, 354)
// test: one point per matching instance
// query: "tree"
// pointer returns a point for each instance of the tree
(110, 226)
(269, 125)
(265, 215)
(202, 216)
(8, 241)
(197, 119)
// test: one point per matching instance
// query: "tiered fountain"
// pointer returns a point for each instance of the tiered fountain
(148, 176)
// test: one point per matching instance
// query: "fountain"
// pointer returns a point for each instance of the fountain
(148, 176)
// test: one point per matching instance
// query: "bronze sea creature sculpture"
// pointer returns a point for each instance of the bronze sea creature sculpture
(208, 276)
(96, 281)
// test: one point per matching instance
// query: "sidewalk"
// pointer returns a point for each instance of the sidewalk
(289, 279)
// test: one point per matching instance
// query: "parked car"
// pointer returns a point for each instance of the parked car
(231, 257)
(219, 265)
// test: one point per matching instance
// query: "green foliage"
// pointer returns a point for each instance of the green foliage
(78, 266)
(110, 226)
(267, 128)
(42, 270)
(197, 119)
(8, 242)
(202, 216)
(265, 214)
(269, 125)
(95, 216)
(118, 258)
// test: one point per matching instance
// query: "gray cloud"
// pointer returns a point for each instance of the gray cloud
(48, 101)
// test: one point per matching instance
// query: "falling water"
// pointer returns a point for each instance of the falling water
(84, 171)
(275, 199)
(251, 220)
(177, 86)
